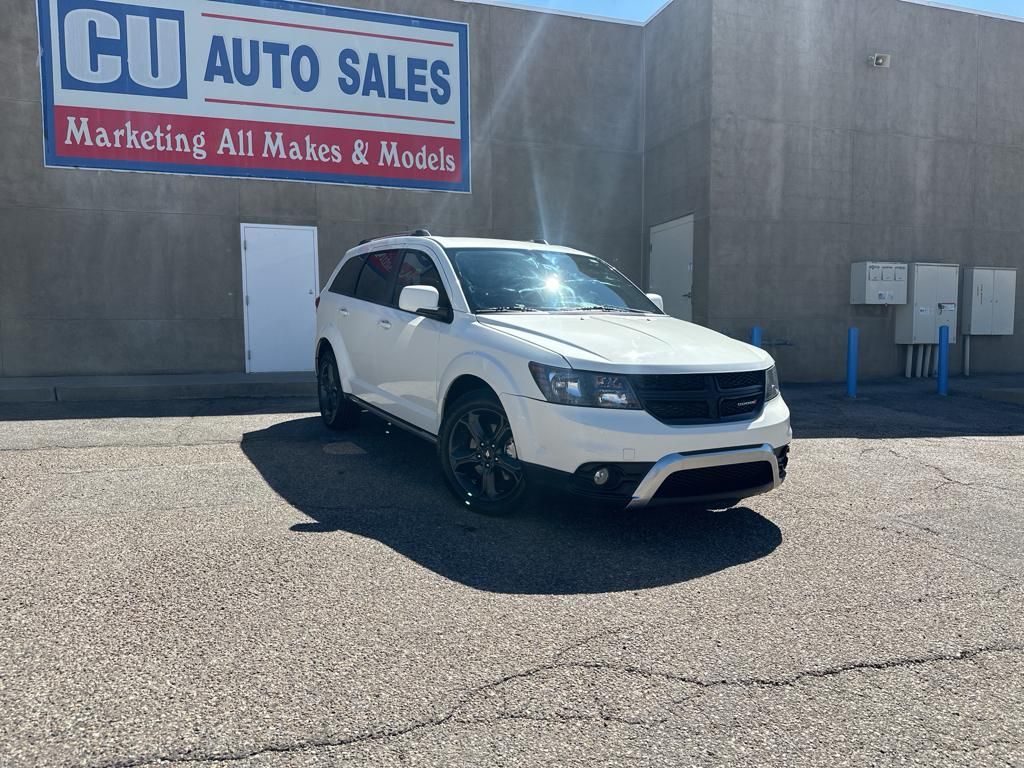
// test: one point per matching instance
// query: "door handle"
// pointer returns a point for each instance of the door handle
(688, 295)
(385, 324)
(342, 311)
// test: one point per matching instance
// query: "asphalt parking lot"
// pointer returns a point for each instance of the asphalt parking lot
(227, 582)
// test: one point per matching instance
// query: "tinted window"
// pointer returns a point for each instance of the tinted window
(419, 269)
(375, 279)
(345, 282)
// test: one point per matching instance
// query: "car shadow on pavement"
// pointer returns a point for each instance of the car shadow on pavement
(386, 485)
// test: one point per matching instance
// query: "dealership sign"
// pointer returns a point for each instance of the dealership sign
(256, 88)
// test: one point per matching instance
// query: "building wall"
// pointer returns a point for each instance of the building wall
(763, 119)
(819, 160)
(677, 129)
(106, 273)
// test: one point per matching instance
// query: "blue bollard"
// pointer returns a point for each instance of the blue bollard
(944, 360)
(755, 336)
(852, 343)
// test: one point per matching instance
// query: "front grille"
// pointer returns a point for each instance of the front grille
(697, 398)
(740, 380)
(716, 481)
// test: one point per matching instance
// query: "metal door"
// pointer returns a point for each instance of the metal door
(671, 266)
(280, 280)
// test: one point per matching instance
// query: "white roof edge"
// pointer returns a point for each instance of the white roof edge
(961, 9)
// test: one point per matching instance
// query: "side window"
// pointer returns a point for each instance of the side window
(419, 269)
(375, 280)
(345, 282)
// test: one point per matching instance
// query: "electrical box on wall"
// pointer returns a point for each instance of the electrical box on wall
(878, 282)
(932, 296)
(990, 295)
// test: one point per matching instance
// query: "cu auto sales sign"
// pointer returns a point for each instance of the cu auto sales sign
(256, 88)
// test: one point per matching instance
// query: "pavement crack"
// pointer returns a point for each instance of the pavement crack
(452, 715)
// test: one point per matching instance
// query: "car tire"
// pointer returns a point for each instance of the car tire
(476, 448)
(336, 410)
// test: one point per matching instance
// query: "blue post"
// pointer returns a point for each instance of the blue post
(852, 344)
(944, 360)
(755, 336)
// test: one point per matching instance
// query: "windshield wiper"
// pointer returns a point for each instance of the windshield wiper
(604, 308)
(510, 308)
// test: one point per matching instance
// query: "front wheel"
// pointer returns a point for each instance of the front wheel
(478, 455)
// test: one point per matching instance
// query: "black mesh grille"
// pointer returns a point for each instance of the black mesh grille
(679, 399)
(672, 383)
(715, 481)
(678, 410)
(740, 380)
(736, 406)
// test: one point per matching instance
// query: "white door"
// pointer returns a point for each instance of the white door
(671, 266)
(279, 280)
(408, 376)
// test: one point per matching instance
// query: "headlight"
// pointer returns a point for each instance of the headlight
(583, 388)
(771, 384)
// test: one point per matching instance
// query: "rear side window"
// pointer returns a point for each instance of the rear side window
(345, 282)
(419, 269)
(377, 276)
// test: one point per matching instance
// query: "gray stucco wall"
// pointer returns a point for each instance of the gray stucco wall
(819, 160)
(677, 129)
(763, 119)
(107, 272)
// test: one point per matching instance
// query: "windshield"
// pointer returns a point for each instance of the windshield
(506, 280)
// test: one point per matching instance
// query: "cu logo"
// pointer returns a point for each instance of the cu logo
(118, 48)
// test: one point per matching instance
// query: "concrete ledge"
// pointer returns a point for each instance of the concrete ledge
(178, 387)
(1015, 396)
(12, 391)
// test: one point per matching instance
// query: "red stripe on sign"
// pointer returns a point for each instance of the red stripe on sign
(328, 29)
(329, 111)
(153, 140)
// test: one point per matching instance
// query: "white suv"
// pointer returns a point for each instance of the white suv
(528, 363)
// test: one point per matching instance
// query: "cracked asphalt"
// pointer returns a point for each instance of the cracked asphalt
(227, 582)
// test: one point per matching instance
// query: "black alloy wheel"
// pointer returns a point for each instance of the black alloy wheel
(336, 411)
(478, 453)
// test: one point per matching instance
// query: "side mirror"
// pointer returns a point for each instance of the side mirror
(657, 300)
(423, 300)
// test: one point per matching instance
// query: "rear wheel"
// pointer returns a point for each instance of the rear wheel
(478, 455)
(335, 409)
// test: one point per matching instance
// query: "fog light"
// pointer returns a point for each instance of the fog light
(602, 476)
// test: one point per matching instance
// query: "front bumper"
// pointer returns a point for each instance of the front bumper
(565, 438)
(759, 472)
(650, 462)
(709, 478)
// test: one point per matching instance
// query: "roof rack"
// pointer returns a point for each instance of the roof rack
(540, 241)
(414, 233)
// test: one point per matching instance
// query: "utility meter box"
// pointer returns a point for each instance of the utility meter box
(878, 282)
(990, 294)
(932, 295)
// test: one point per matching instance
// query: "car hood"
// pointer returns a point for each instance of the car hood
(630, 343)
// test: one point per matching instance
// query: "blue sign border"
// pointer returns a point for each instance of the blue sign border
(51, 159)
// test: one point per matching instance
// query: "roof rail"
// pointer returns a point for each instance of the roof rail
(540, 241)
(414, 233)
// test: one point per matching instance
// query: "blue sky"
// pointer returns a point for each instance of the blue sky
(640, 10)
